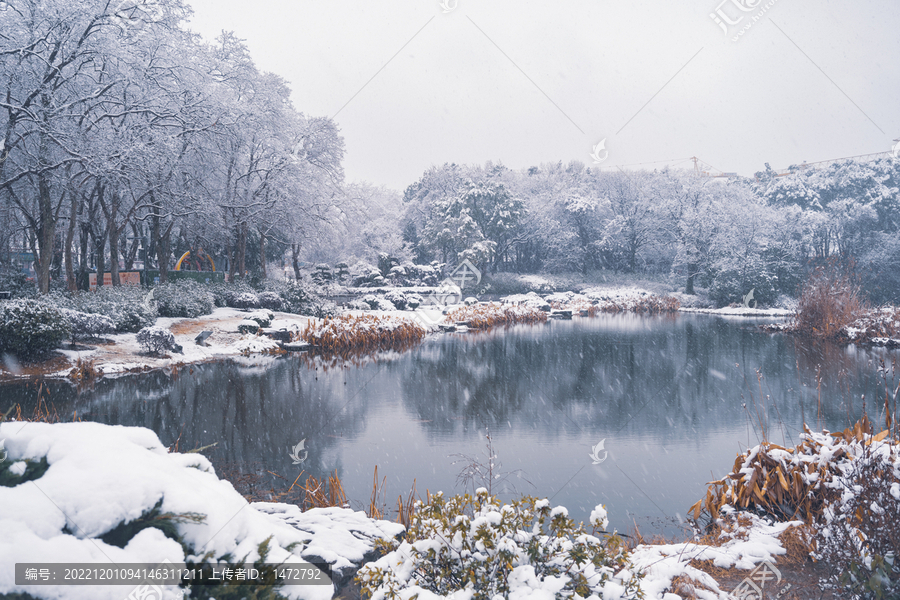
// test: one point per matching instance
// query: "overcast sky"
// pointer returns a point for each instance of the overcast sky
(525, 82)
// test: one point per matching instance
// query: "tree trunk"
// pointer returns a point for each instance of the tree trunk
(262, 254)
(295, 260)
(99, 247)
(162, 254)
(131, 252)
(46, 234)
(67, 249)
(242, 251)
(689, 286)
(84, 233)
(113, 235)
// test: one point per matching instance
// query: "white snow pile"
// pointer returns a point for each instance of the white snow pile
(343, 538)
(617, 295)
(253, 344)
(99, 477)
(880, 327)
(530, 300)
(748, 547)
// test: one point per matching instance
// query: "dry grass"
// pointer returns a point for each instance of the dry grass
(768, 479)
(324, 493)
(831, 299)
(43, 412)
(366, 332)
(488, 316)
(85, 373)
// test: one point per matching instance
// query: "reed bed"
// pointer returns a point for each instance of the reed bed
(365, 332)
(488, 316)
(791, 483)
(831, 299)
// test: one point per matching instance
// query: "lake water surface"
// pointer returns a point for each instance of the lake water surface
(674, 397)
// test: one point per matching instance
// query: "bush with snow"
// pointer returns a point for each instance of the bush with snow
(15, 281)
(378, 302)
(263, 318)
(115, 494)
(397, 298)
(270, 300)
(126, 305)
(183, 298)
(156, 340)
(87, 324)
(31, 327)
(475, 546)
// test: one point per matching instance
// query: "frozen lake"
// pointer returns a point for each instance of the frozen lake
(674, 397)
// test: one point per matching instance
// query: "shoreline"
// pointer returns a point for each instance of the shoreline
(120, 354)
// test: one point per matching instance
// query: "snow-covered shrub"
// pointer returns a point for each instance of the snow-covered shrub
(16, 282)
(87, 324)
(155, 340)
(183, 298)
(263, 318)
(378, 302)
(239, 294)
(858, 533)
(31, 327)
(476, 546)
(248, 326)
(364, 274)
(126, 305)
(270, 300)
(244, 300)
(139, 503)
(358, 305)
(414, 301)
(397, 298)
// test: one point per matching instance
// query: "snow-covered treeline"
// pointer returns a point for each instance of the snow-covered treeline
(121, 130)
(728, 235)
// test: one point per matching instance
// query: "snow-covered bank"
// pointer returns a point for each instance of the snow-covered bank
(121, 353)
(741, 311)
(68, 489)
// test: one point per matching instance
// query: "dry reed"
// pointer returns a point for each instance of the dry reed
(488, 316)
(361, 332)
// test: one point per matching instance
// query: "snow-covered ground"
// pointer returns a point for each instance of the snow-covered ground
(100, 476)
(124, 354)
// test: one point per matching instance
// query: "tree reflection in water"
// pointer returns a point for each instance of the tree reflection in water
(674, 397)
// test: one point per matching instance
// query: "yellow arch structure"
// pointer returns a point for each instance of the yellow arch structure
(199, 253)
